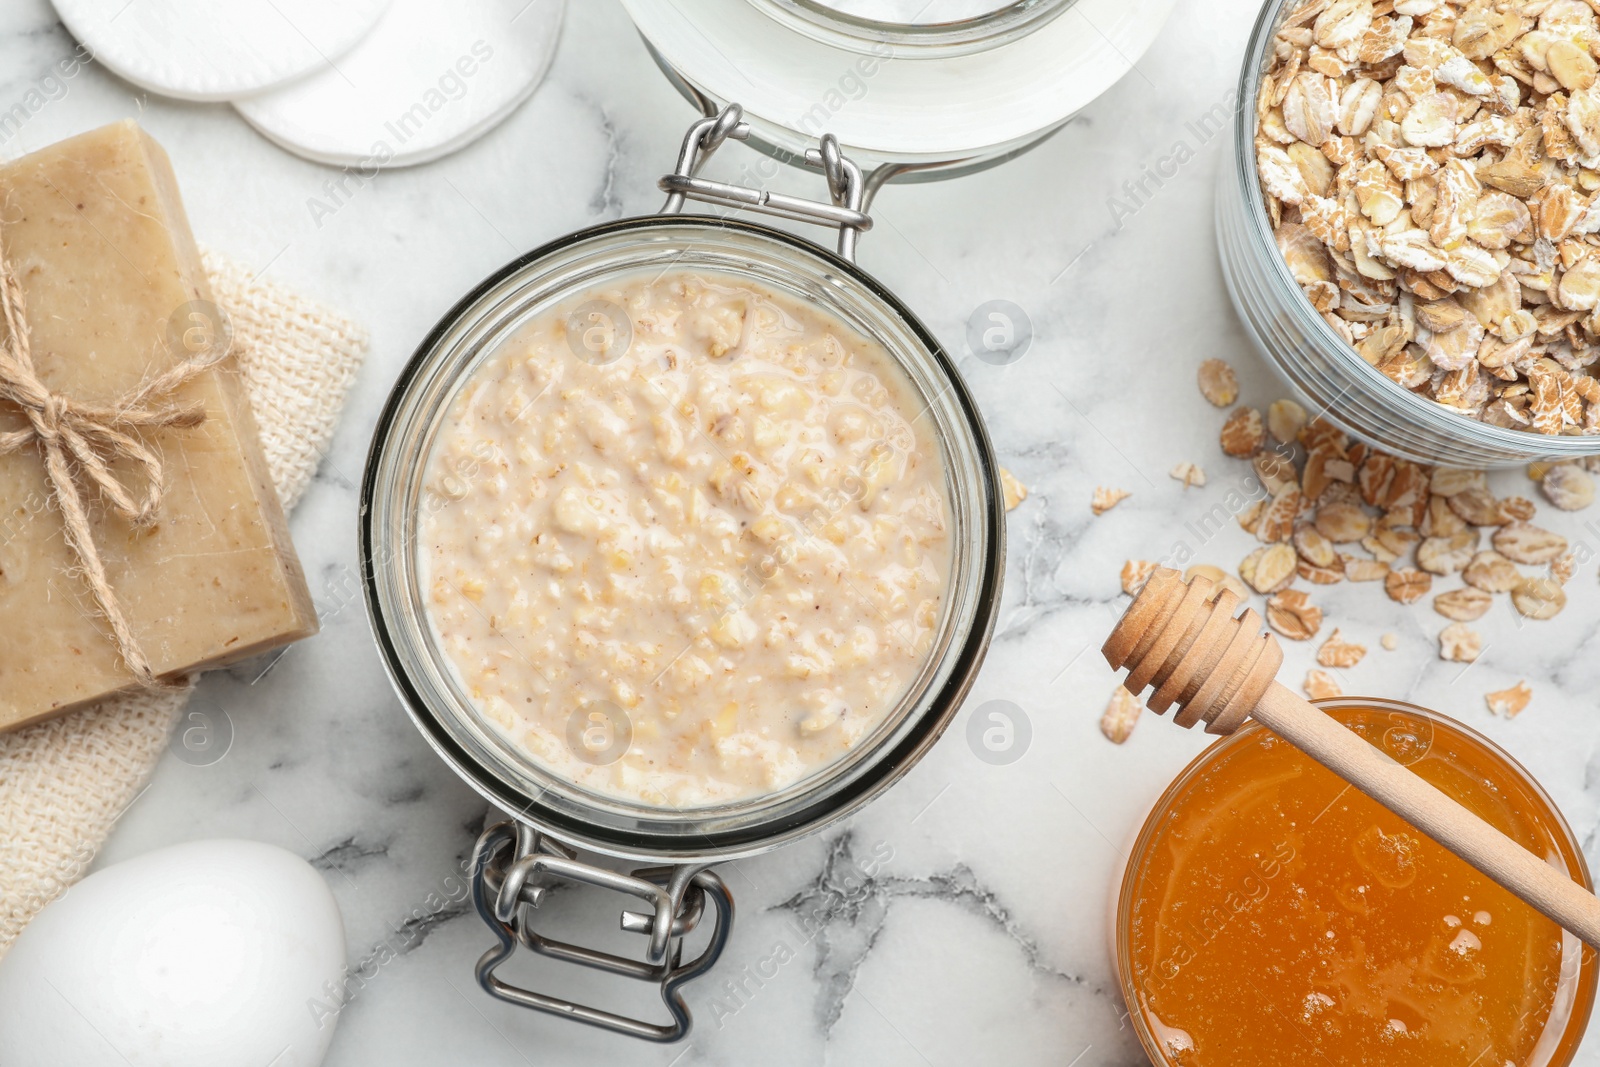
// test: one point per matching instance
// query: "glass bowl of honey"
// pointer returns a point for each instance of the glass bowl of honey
(1270, 912)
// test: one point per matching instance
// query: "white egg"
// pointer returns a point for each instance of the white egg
(206, 954)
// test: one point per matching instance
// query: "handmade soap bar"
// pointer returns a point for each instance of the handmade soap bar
(95, 233)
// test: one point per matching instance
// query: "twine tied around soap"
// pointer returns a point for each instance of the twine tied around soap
(78, 440)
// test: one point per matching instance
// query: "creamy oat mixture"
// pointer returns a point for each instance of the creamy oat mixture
(685, 540)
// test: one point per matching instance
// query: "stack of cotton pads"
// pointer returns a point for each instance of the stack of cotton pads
(368, 83)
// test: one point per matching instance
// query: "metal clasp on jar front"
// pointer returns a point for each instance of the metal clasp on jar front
(514, 866)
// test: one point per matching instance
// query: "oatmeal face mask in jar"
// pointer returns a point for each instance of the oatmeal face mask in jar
(682, 539)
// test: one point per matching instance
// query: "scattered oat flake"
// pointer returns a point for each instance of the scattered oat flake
(1314, 548)
(1276, 519)
(1218, 383)
(1243, 434)
(1012, 489)
(1460, 642)
(1562, 568)
(1285, 420)
(1343, 523)
(1464, 604)
(1524, 543)
(1492, 572)
(1321, 686)
(1105, 499)
(1478, 507)
(1516, 509)
(1135, 573)
(1568, 486)
(1406, 585)
(1189, 474)
(1269, 568)
(1249, 517)
(1121, 715)
(1292, 614)
(1511, 702)
(1337, 652)
(1448, 554)
(1390, 642)
(1539, 598)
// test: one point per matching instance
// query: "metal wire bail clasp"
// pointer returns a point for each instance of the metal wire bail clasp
(846, 187)
(512, 869)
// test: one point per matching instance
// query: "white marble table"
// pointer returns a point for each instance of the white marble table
(962, 918)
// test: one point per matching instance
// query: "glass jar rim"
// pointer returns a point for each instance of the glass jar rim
(1185, 779)
(1435, 417)
(518, 783)
(911, 40)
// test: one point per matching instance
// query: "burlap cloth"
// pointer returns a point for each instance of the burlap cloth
(64, 783)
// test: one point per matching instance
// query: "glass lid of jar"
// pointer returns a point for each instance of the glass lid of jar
(919, 12)
(935, 87)
(951, 26)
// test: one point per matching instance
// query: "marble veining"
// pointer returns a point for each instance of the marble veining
(962, 917)
(847, 905)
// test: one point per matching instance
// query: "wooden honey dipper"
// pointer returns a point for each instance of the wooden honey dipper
(1179, 638)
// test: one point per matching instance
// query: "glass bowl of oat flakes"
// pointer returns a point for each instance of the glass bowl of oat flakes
(1410, 227)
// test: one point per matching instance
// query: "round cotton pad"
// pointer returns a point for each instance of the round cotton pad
(207, 50)
(430, 79)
